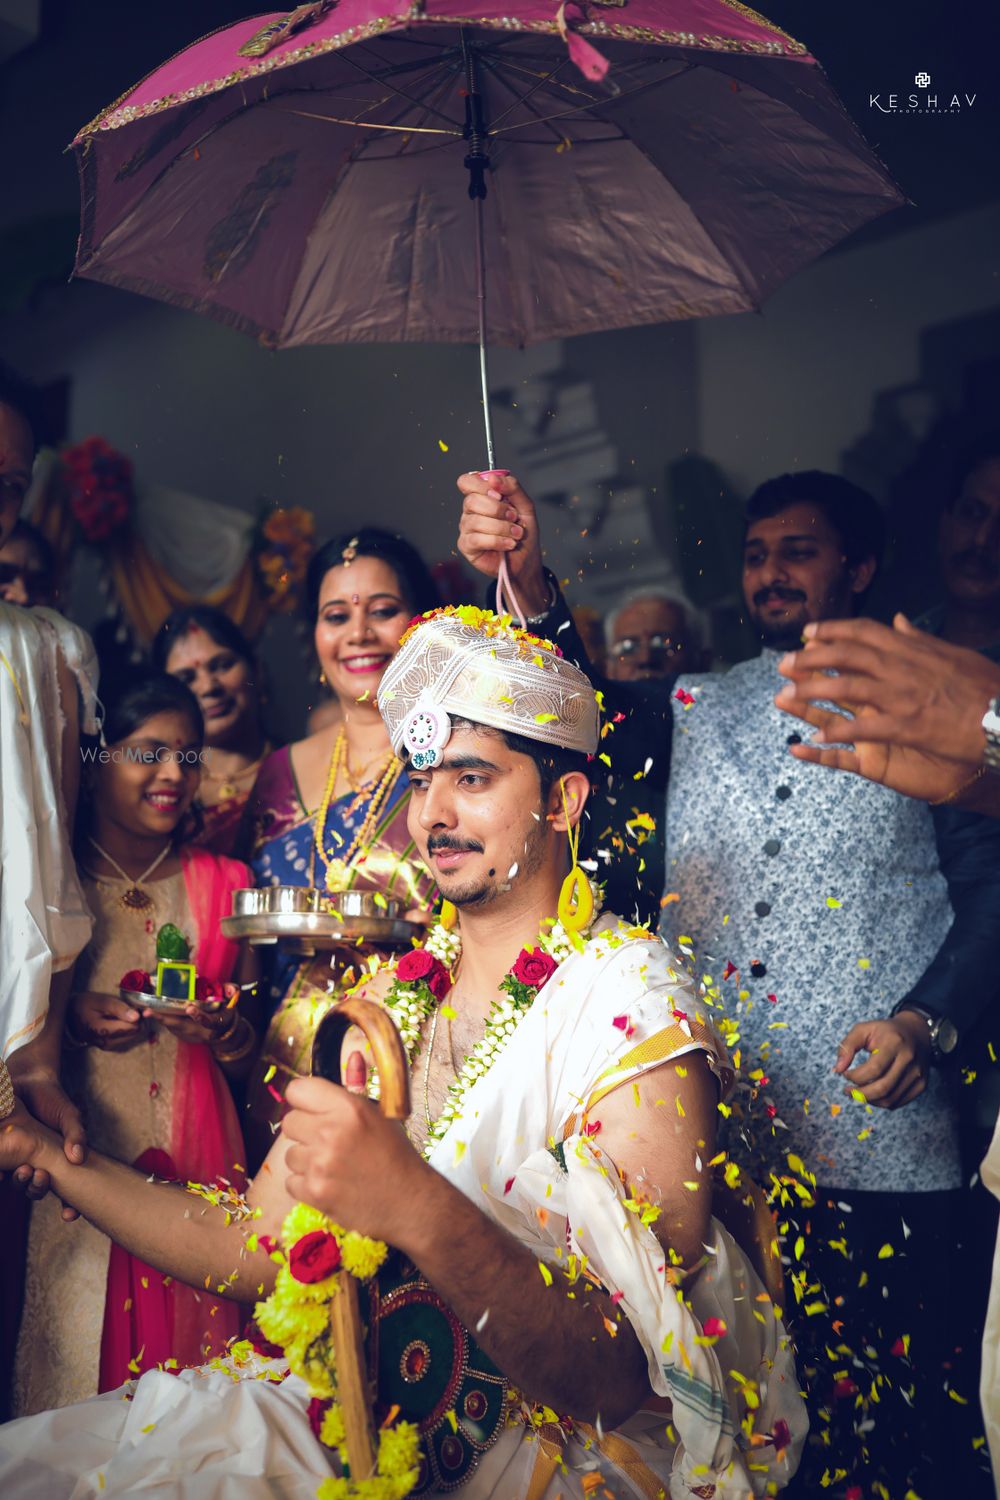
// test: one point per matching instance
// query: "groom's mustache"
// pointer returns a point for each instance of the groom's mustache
(457, 846)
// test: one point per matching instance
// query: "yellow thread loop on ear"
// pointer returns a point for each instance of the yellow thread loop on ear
(573, 834)
(575, 908)
(576, 901)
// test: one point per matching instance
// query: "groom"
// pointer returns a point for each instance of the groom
(587, 1132)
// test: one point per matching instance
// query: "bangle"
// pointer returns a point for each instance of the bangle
(71, 1039)
(223, 1036)
(951, 797)
(242, 1048)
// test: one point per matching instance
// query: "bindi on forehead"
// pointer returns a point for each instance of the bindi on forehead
(198, 647)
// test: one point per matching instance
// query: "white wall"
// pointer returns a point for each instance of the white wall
(354, 432)
(792, 387)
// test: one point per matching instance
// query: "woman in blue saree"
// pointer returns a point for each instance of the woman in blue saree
(330, 811)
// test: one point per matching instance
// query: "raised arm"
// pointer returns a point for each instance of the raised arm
(499, 520)
(558, 1349)
(163, 1224)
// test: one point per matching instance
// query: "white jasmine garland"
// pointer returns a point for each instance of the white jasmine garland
(410, 1006)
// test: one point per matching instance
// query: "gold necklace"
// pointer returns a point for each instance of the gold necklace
(133, 898)
(356, 779)
(229, 785)
(338, 866)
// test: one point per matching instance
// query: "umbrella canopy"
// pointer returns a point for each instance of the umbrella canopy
(306, 177)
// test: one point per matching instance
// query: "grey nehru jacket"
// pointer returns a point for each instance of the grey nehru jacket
(824, 891)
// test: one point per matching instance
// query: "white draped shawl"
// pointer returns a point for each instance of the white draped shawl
(44, 918)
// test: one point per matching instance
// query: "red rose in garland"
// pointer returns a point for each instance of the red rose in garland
(415, 965)
(421, 967)
(314, 1257)
(438, 980)
(534, 967)
(316, 1411)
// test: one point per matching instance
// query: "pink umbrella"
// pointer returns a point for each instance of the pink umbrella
(306, 177)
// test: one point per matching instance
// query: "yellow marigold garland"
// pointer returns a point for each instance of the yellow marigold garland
(297, 1317)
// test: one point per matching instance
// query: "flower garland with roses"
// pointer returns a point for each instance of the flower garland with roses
(423, 979)
(295, 1319)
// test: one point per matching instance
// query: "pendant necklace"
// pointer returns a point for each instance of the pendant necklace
(133, 898)
(229, 786)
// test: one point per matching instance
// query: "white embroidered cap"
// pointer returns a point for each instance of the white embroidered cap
(475, 665)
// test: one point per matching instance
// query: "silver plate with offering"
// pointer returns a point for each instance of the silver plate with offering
(313, 921)
(166, 1005)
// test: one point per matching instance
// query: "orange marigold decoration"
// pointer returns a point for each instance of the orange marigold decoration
(284, 545)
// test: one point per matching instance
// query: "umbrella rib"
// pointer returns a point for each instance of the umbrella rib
(588, 110)
(345, 53)
(373, 124)
(436, 88)
(525, 100)
(539, 83)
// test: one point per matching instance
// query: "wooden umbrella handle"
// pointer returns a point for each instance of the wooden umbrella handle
(346, 1325)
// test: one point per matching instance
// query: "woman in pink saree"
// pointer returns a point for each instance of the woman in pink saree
(154, 1088)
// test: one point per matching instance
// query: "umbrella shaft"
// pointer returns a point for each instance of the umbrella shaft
(477, 163)
(481, 303)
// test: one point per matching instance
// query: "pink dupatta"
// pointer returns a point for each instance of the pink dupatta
(149, 1318)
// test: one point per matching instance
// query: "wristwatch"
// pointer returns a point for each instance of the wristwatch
(991, 728)
(943, 1032)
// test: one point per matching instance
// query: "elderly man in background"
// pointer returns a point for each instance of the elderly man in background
(651, 635)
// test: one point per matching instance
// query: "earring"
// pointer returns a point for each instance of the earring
(322, 679)
(575, 908)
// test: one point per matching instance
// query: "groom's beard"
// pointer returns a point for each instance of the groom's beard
(490, 884)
